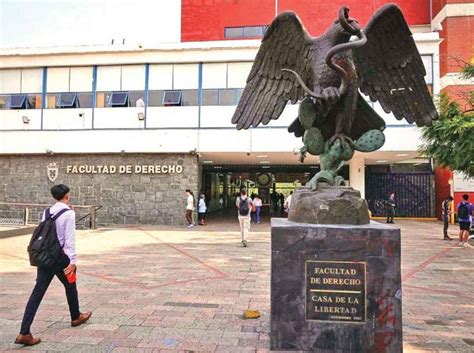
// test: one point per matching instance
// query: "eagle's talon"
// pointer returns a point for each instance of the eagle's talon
(342, 138)
(331, 94)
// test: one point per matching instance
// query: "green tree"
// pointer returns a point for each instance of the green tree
(450, 140)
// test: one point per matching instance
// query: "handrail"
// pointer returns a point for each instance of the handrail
(26, 206)
(92, 223)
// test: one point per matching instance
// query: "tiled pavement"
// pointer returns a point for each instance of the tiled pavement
(154, 289)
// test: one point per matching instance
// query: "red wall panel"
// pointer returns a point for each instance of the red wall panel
(458, 41)
(203, 20)
(442, 187)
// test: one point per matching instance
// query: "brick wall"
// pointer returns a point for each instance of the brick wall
(126, 198)
(203, 20)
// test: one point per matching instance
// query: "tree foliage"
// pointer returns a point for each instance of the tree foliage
(450, 140)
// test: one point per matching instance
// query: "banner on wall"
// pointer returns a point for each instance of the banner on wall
(462, 183)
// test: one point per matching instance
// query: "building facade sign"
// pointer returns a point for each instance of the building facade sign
(125, 169)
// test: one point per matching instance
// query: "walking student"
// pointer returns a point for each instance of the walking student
(64, 267)
(446, 213)
(465, 211)
(189, 208)
(391, 204)
(202, 210)
(244, 206)
(257, 204)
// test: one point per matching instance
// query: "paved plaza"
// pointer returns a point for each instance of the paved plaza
(163, 289)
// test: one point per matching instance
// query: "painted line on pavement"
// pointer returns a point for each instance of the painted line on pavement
(425, 263)
(438, 291)
(185, 253)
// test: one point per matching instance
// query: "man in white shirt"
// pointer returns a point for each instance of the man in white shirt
(288, 202)
(189, 208)
(66, 233)
(244, 207)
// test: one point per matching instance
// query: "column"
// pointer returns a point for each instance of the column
(357, 174)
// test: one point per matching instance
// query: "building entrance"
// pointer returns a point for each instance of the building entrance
(221, 184)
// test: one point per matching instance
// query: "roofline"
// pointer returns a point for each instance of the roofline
(107, 49)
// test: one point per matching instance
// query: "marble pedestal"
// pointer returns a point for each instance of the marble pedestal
(335, 288)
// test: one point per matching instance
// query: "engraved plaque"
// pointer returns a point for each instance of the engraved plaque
(335, 291)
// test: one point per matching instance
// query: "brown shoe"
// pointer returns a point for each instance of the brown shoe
(83, 317)
(27, 340)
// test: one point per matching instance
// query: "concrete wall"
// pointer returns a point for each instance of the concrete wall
(127, 198)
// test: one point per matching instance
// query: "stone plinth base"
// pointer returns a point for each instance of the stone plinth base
(335, 288)
(328, 205)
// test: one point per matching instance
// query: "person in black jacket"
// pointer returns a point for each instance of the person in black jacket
(391, 204)
(446, 213)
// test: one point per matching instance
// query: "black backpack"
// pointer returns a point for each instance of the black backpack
(44, 249)
(244, 206)
(463, 211)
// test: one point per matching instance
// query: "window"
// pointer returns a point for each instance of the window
(34, 101)
(137, 98)
(18, 101)
(84, 100)
(118, 99)
(210, 97)
(233, 32)
(244, 32)
(254, 31)
(171, 98)
(189, 97)
(155, 98)
(67, 100)
(4, 102)
(227, 97)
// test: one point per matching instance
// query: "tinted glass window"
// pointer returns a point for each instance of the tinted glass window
(172, 98)
(118, 99)
(84, 100)
(17, 101)
(155, 98)
(227, 97)
(67, 100)
(189, 97)
(4, 102)
(233, 32)
(256, 31)
(210, 97)
(137, 96)
(34, 101)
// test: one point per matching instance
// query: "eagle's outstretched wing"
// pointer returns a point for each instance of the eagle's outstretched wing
(390, 68)
(286, 45)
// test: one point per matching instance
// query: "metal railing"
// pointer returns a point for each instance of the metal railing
(15, 213)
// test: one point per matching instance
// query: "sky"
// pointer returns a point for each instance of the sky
(47, 23)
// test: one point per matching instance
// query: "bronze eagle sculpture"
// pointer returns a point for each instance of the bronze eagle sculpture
(325, 75)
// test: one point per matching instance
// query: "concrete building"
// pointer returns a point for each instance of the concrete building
(130, 127)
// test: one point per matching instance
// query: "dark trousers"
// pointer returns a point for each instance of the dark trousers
(390, 214)
(43, 279)
(445, 226)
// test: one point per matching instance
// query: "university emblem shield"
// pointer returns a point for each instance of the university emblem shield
(53, 170)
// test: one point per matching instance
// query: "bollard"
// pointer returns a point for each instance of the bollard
(26, 215)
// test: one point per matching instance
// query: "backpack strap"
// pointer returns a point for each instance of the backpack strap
(56, 216)
(47, 213)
